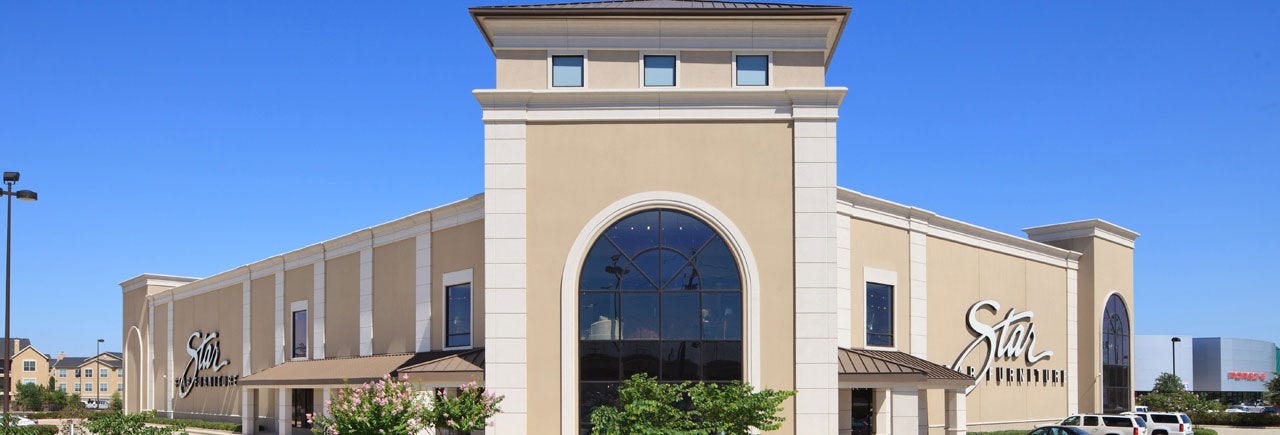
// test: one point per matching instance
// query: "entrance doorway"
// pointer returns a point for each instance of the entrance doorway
(303, 404)
(864, 413)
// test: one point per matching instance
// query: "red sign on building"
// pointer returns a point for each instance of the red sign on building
(1247, 376)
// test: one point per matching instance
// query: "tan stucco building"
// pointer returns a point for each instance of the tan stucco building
(660, 197)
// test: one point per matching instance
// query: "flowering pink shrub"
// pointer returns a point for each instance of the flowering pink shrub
(469, 411)
(387, 406)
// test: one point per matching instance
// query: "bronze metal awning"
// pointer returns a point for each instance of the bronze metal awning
(450, 366)
(889, 366)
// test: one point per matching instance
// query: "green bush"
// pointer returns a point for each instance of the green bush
(39, 429)
(1236, 419)
(646, 406)
(1203, 431)
(114, 423)
(200, 424)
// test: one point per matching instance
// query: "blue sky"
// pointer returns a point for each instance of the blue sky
(189, 138)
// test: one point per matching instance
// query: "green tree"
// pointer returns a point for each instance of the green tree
(465, 412)
(1273, 391)
(115, 423)
(1168, 383)
(31, 396)
(1169, 395)
(53, 384)
(649, 407)
(385, 406)
(117, 403)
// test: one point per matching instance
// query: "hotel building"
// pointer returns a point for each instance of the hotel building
(660, 197)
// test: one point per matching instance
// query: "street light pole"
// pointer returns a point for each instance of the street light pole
(97, 402)
(1173, 343)
(26, 195)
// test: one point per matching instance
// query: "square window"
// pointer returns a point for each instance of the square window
(879, 315)
(29, 366)
(77, 386)
(102, 387)
(62, 373)
(659, 70)
(566, 71)
(102, 373)
(753, 70)
(458, 315)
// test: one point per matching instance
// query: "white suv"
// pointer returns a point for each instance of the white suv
(1166, 423)
(1094, 424)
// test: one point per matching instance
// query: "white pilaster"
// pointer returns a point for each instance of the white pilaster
(246, 337)
(844, 285)
(279, 305)
(506, 373)
(284, 412)
(422, 292)
(816, 331)
(922, 411)
(325, 395)
(957, 413)
(883, 405)
(919, 290)
(168, 385)
(1073, 345)
(317, 310)
(247, 412)
(149, 391)
(846, 410)
(366, 302)
(905, 404)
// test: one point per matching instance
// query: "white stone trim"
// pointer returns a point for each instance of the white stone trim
(879, 276)
(872, 209)
(871, 275)
(169, 345)
(458, 277)
(577, 252)
(1085, 228)
(366, 302)
(816, 332)
(150, 394)
(318, 316)
(294, 307)
(279, 325)
(648, 104)
(422, 292)
(905, 404)
(246, 323)
(506, 373)
(1073, 344)
(844, 284)
(284, 412)
(919, 301)
(248, 412)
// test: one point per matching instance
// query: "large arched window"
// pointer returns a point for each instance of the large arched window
(659, 293)
(1116, 390)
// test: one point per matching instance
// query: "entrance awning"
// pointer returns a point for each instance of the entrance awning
(893, 367)
(466, 365)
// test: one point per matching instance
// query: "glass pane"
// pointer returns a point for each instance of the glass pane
(879, 315)
(458, 311)
(299, 334)
(597, 316)
(566, 71)
(635, 233)
(639, 316)
(598, 360)
(639, 357)
(680, 316)
(676, 274)
(722, 361)
(591, 395)
(604, 268)
(680, 360)
(753, 70)
(684, 233)
(717, 268)
(722, 316)
(685, 279)
(648, 264)
(659, 70)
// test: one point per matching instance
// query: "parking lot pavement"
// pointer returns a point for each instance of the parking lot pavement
(1230, 430)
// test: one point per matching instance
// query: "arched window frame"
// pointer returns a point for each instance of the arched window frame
(1116, 324)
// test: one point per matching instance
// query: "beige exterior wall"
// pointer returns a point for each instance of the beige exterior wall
(454, 249)
(342, 306)
(39, 373)
(715, 162)
(91, 380)
(393, 295)
(705, 69)
(613, 69)
(134, 334)
(262, 324)
(799, 69)
(960, 276)
(218, 311)
(521, 69)
(161, 353)
(885, 248)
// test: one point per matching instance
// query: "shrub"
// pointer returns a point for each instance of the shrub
(648, 407)
(39, 429)
(1236, 419)
(201, 424)
(468, 411)
(1203, 431)
(1170, 396)
(385, 406)
(114, 423)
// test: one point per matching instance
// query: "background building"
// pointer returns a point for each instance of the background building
(1234, 370)
(1153, 355)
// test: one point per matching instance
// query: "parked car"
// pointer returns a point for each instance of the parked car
(1095, 424)
(1166, 423)
(1057, 430)
(1140, 409)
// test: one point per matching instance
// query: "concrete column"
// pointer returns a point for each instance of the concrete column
(506, 282)
(366, 302)
(957, 418)
(905, 405)
(248, 412)
(922, 411)
(883, 408)
(284, 413)
(846, 411)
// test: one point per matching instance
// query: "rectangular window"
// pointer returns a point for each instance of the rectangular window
(120, 372)
(88, 387)
(566, 71)
(102, 386)
(102, 373)
(77, 373)
(300, 334)
(62, 387)
(120, 386)
(753, 70)
(29, 381)
(458, 315)
(29, 365)
(879, 315)
(62, 373)
(77, 386)
(659, 70)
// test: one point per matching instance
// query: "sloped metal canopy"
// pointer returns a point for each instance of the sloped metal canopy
(867, 365)
(445, 367)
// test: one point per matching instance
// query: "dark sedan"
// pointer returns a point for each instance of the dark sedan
(1057, 430)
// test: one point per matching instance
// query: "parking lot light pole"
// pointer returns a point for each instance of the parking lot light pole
(26, 195)
(1173, 343)
(97, 401)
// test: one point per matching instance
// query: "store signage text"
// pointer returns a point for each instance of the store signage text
(1247, 376)
(205, 355)
(1008, 339)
